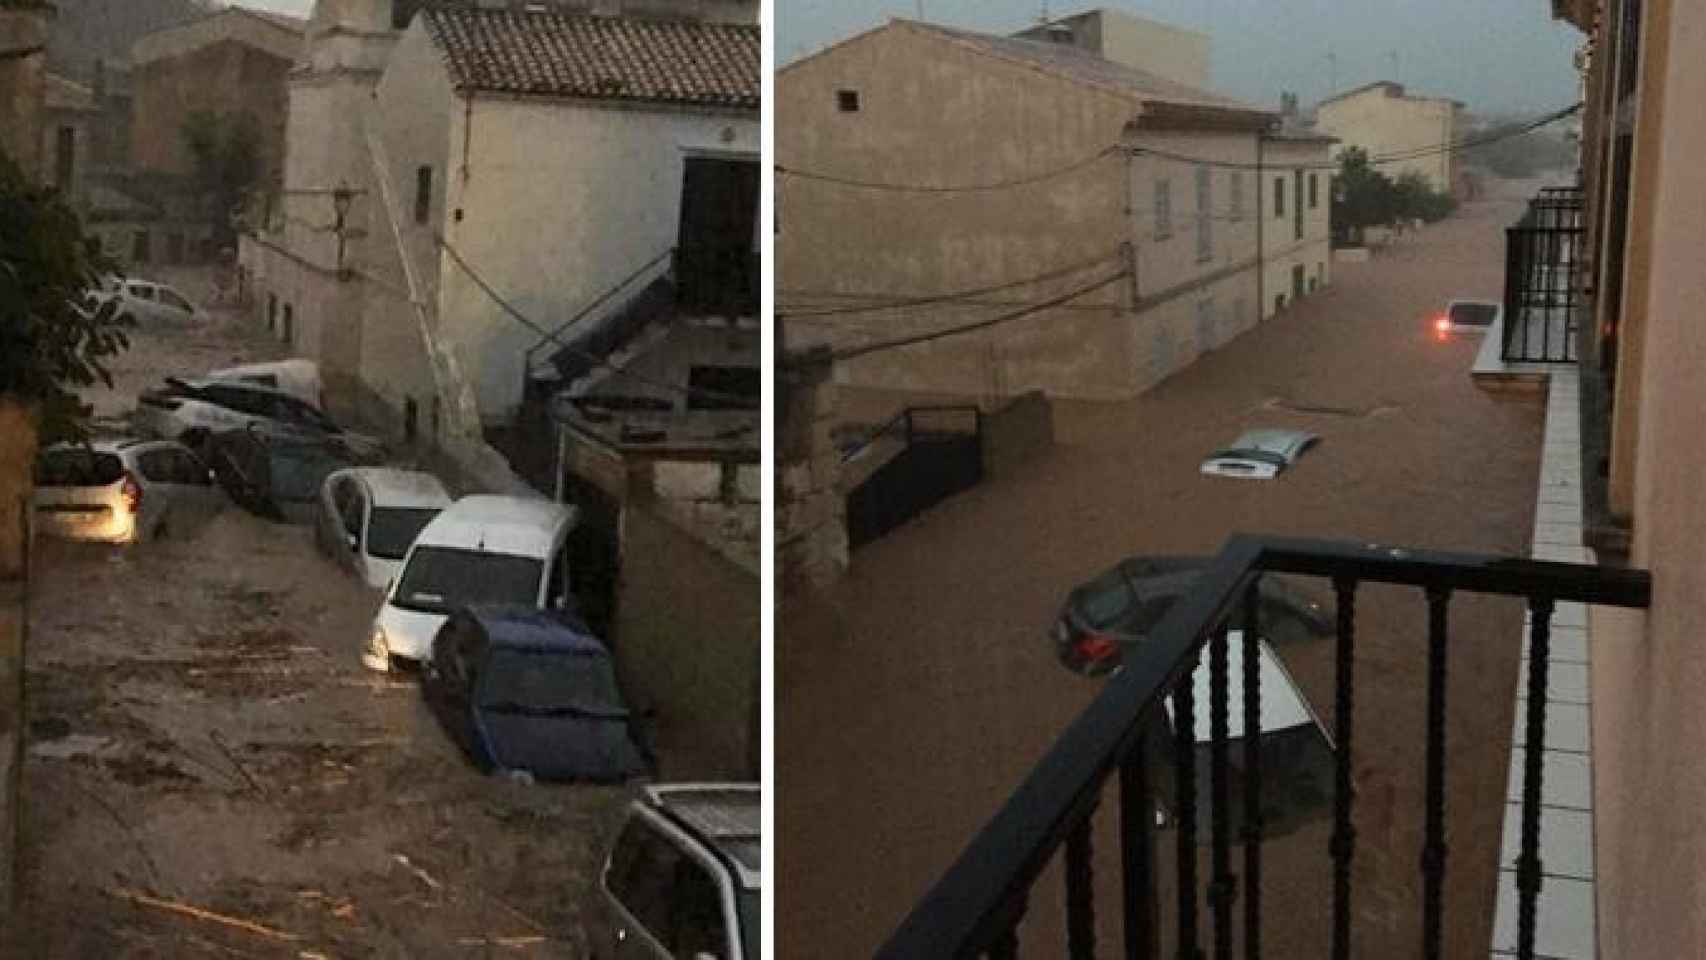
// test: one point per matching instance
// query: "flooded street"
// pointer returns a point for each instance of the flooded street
(902, 726)
(203, 737)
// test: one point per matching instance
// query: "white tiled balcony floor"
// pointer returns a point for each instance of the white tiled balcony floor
(1564, 927)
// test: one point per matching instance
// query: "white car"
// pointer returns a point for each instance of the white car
(1472, 316)
(193, 410)
(298, 377)
(368, 518)
(1259, 454)
(119, 491)
(146, 301)
(482, 549)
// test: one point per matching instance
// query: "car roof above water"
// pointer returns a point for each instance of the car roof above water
(522, 526)
(392, 487)
(516, 626)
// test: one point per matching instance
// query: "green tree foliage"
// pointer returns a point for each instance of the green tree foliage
(50, 343)
(1365, 197)
(226, 151)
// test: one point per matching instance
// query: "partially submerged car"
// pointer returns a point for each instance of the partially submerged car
(528, 690)
(1472, 316)
(1108, 616)
(192, 410)
(1119, 607)
(144, 301)
(123, 490)
(369, 517)
(1259, 454)
(683, 877)
(297, 377)
(273, 472)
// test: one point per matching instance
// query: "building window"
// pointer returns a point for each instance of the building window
(272, 313)
(1235, 198)
(1279, 196)
(289, 331)
(423, 193)
(1314, 199)
(139, 246)
(847, 101)
(64, 157)
(1205, 220)
(1163, 213)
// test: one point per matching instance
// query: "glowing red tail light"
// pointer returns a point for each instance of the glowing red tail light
(1442, 323)
(1097, 647)
(132, 493)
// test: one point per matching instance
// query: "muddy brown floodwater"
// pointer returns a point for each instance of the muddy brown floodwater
(203, 734)
(903, 725)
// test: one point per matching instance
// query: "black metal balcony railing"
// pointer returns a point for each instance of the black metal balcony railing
(978, 905)
(1542, 298)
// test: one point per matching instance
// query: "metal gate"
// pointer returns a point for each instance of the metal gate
(941, 455)
(1543, 300)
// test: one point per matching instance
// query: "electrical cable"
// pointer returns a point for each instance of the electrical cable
(927, 299)
(849, 353)
(965, 188)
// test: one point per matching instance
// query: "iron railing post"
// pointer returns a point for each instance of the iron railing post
(1252, 773)
(1185, 792)
(1434, 846)
(1221, 889)
(1343, 845)
(1528, 877)
(1137, 851)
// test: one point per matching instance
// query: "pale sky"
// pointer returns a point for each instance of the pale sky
(1494, 55)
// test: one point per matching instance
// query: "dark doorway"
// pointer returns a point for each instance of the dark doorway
(593, 553)
(1297, 209)
(1297, 282)
(716, 268)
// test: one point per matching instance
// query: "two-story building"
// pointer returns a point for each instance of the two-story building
(1386, 121)
(1028, 213)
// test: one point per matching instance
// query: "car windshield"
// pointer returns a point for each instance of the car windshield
(747, 902)
(1259, 456)
(439, 579)
(391, 530)
(551, 682)
(1106, 599)
(1475, 314)
(77, 467)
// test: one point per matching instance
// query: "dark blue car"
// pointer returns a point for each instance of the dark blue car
(521, 689)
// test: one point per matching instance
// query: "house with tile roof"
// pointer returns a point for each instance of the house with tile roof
(977, 216)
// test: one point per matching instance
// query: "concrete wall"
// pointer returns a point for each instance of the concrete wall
(17, 454)
(227, 77)
(687, 643)
(23, 86)
(1649, 718)
(553, 203)
(1383, 122)
(1283, 251)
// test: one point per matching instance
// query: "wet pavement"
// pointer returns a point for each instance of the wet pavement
(204, 735)
(903, 724)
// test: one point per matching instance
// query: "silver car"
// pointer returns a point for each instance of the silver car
(119, 491)
(146, 301)
(1259, 454)
(368, 517)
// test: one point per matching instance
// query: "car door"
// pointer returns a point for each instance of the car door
(173, 304)
(639, 885)
(353, 519)
(200, 496)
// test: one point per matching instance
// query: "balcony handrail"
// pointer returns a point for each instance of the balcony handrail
(974, 907)
(553, 335)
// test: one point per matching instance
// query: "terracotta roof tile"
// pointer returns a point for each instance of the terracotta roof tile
(599, 57)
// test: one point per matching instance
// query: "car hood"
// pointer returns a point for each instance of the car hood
(562, 747)
(409, 633)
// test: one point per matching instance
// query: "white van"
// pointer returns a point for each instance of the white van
(481, 549)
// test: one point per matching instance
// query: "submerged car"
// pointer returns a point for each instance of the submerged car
(275, 473)
(118, 491)
(1296, 751)
(1259, 454)
(683, 877)
(144, 301)
(368, 517)
(522, 689)
(1473, 316)
(1120, 606)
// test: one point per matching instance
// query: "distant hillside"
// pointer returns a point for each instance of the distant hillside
(87, 30)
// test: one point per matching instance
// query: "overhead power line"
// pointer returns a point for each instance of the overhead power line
(586, 355)
(927, 299)
(849, 353)
(1076, 165)
(1401, 156)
